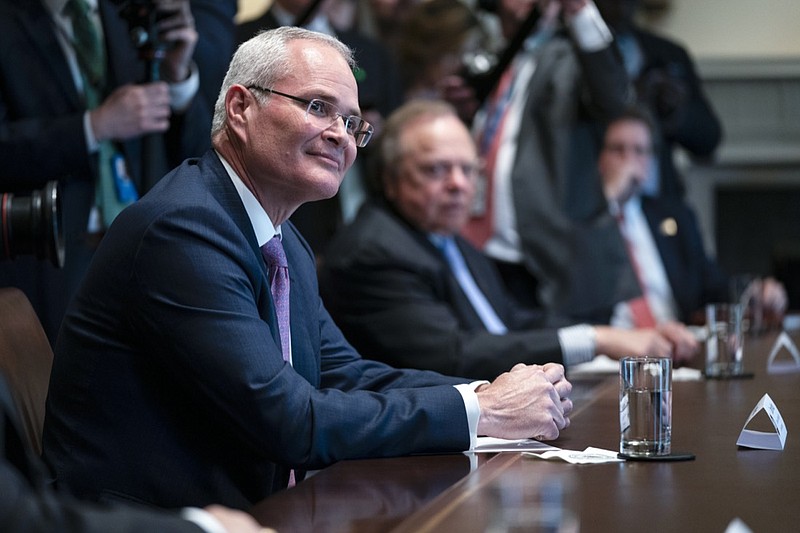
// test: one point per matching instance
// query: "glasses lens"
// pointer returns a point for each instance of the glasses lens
(363, 136)
(323, 114)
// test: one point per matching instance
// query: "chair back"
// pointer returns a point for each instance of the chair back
(26, 359)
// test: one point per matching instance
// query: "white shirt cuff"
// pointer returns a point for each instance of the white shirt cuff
(589, 29)
(472, 407)
(205, 520)
(577, 344)
(92, 145)
(182, 92)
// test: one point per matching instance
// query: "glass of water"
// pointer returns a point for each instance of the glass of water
(645, 406)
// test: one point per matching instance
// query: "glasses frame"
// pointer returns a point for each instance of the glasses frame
(363, 129)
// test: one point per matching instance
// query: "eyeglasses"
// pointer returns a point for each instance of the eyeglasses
(620, 149)
(439, 171)
(324, 114)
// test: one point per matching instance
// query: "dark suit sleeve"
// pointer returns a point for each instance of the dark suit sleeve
(23, 509)
(28, 504)
(605, 87)
(674, 90)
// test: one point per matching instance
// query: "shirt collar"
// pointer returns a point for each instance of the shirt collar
(262, 225)
(57, 6)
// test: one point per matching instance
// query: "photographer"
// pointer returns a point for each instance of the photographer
(80, 103)
(666, 82)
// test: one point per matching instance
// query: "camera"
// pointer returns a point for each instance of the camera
(31, 225)
(141, 16)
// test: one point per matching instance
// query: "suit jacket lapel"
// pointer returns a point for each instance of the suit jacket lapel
(37, 23)
(669, 249)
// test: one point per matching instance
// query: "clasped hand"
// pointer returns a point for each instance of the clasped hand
(528, 401)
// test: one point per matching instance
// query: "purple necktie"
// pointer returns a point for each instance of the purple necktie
(279, 285)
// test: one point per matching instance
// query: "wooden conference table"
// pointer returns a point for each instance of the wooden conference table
(445, 493)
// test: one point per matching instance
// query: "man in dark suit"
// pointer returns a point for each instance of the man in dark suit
(659, 236)
(391, 284)
(49, 130)
(29, 503)
(667, 83)
(191, 370)
(380, 91)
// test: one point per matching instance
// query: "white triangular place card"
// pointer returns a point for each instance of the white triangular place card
(783, 366)
(762, 439)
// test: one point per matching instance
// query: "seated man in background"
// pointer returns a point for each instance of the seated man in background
(659, 236)
(197, 363)
(405, 288)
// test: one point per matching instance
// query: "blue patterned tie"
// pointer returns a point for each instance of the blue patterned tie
(459, 268)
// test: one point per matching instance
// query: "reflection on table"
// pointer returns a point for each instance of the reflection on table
(439, 493)
(370, 495)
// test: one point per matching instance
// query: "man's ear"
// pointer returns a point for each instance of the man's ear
(238, 100)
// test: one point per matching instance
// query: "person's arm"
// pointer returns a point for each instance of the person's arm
(607, 85)
(24, 509)
(674, 92)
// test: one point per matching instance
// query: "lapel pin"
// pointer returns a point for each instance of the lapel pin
(669, 227)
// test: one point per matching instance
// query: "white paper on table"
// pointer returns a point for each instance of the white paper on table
(493, 445)
(737, 525)
(783, 367)
(590, 455)
(762, 439)
(602, 364)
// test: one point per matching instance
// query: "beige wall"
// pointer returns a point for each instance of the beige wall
(734, 28)
(251, 8)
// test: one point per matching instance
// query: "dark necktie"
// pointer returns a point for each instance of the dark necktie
(640, 309)
(89, 51)
(279, 286)
(91, 56)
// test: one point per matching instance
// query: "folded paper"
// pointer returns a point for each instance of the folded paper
(775, 366)
(762, 439)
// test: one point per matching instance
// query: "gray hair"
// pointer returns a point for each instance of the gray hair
(390, 152)
(264, 59)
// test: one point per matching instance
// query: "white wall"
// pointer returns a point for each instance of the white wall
(249, 9)
(734, 28)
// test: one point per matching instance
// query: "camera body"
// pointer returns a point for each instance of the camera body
(31, 225)
(141, 16)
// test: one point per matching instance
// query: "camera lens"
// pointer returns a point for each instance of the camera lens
(31, 225)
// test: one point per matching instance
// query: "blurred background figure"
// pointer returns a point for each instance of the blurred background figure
(538, 134)
(657, 247)
(80, 104)
(666, 82)
(436, 38)
(216, 42)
